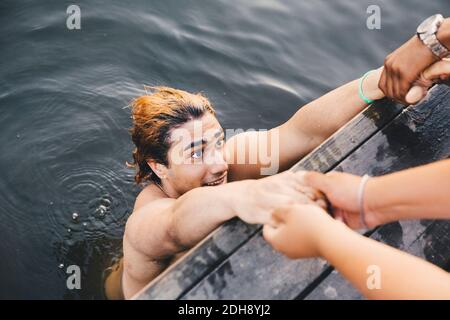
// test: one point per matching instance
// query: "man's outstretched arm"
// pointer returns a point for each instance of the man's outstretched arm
(304, 131)
(167, 226)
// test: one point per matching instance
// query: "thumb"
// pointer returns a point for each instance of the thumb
(269, 233)
(415, 94)
(279, 215)
(316, 180)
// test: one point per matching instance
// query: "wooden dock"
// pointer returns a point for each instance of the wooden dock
(234, 261)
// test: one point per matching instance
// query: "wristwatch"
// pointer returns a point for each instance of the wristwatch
(427, 31)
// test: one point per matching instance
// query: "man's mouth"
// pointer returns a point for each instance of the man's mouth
(216, 182)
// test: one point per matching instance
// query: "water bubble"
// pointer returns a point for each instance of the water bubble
(18, 136)
(101, 211)
(69, 230)
(105, 202)
(75, 216)
(84, 224)
(61, 265)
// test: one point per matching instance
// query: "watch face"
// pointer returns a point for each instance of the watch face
(431, 24)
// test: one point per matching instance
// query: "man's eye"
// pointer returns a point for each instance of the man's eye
(220, 142)
(197, 154)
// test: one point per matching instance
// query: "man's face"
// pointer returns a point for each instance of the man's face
(197, 155)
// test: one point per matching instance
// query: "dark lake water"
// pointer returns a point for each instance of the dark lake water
(64, 93)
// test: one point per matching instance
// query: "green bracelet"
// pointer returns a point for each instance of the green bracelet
(360, 90)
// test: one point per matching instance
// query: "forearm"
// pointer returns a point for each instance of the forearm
(325, 115)
(198, 212)
(401, 276)
(443, 34)
(416, 193)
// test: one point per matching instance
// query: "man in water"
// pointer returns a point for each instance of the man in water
(195, 180)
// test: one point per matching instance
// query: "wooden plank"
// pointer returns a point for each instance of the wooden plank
(223, 242)
(254, 271)
(432, 244)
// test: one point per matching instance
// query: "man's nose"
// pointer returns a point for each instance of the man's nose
(219, 164)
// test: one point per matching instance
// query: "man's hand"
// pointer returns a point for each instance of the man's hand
(403, 67)
(259, 198)
(296, 230)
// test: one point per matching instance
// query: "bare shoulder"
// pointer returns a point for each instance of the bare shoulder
(148, 224)
(149, 194)
(150, 202)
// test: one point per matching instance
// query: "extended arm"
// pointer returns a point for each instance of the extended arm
(167, 226)
(304, 131)
(375, 269)
(401, 276)
(416, 193)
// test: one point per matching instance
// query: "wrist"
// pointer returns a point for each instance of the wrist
(374, 215)
(443, 34)
(333, 233)
(370, 85)
(423, 51)
(226, 196)
(231, 195)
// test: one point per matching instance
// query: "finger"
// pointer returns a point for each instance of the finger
(340, 215)
(386, 76)
(269, 233)
(330, 207)
(337, 214)
(292, 179)
(392, 80)
(311, 193)
(415, 94)
(298, 192)
(402, 86)
(323, 204)
(315, 180)
(389, 85)
(272, 222)
(396, 88)
(288, 196)
(279, 215)
(301, 198)
(301, 177)
(437, 69)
